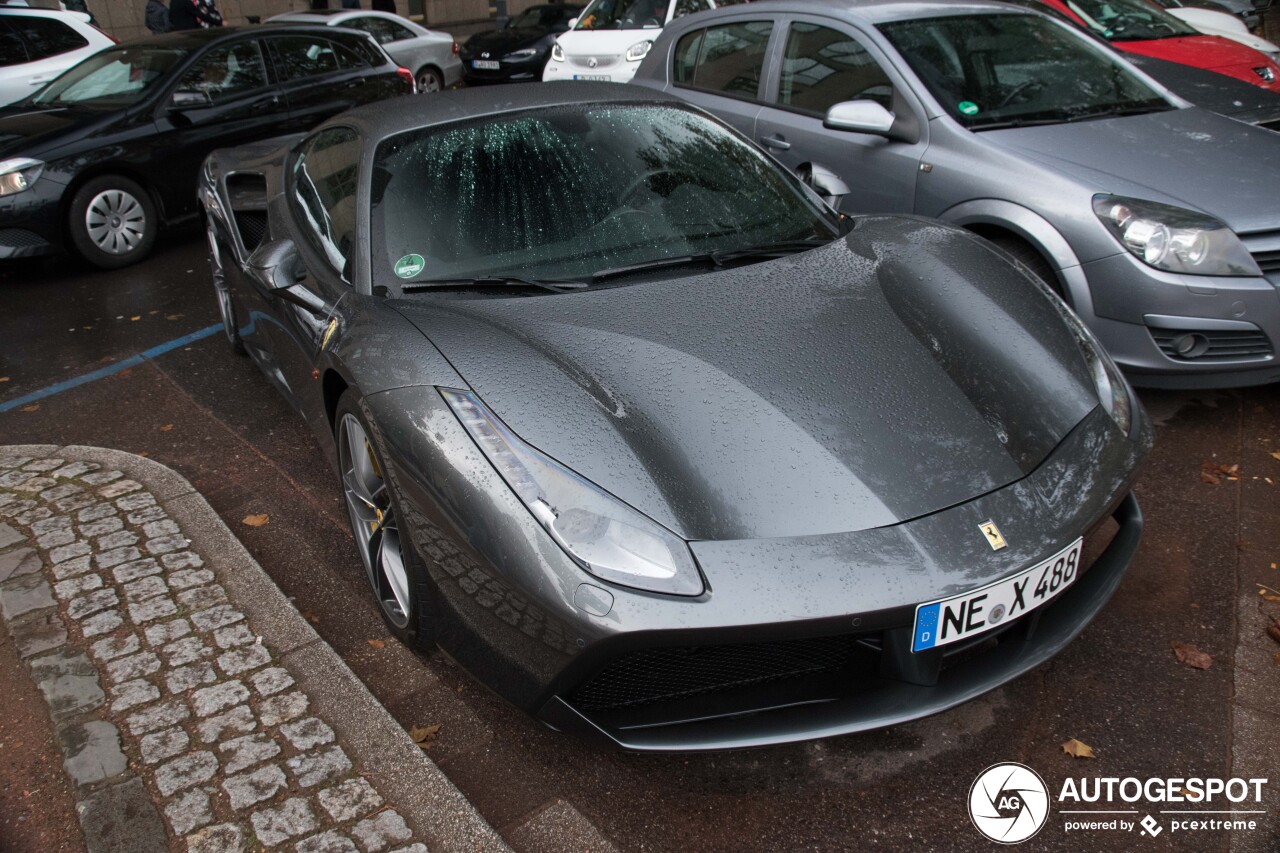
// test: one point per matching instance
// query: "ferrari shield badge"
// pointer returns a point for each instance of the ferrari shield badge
(993, 535)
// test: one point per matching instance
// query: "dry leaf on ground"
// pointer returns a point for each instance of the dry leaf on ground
(377, 644)
(257, 520)
(424, 736)
(1273, 632)
(166, 427)
(1078, 749)
(31, 408)
(1191, 656)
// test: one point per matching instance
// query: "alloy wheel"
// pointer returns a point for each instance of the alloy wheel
(428, 82)
(373, 520)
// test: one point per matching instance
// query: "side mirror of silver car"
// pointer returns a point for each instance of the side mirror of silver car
(860, 117)
(277, 270)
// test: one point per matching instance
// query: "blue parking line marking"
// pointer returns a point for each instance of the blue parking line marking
(123, 364)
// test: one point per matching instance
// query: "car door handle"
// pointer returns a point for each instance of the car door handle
(775, 142)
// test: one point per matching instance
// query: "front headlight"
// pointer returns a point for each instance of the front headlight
(600, 533)
(638, 51)
(1174, 239)
(557, 52)
(522, 55)
(18, 174)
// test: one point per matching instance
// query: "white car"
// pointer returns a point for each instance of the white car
(610, 37)
(1226, 25)
(431, 56)
(37, 45)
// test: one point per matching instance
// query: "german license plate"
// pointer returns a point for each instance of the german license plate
(486, 64)
(940, 623)
(605, 77)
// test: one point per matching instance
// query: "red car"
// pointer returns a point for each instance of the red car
(1136, 26)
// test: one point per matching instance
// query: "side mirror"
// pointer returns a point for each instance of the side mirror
(826, 184)
(573, 22)
(277, 269)
(185, 98)
(860, 117)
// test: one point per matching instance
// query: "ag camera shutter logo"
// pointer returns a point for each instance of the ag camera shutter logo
(1009, 803)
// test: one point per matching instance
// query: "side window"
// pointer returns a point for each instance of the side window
(46, 37)
(686, 57)
(399, 32)
(688, 7)
(375, 27)
(730, 58)
(227, 72)
(822, 67)
(347, 58)
(12, 51)
(323, 193)
(305, 56)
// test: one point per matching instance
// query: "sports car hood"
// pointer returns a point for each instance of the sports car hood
(1190, 157)
(897, 372)
(29, 131)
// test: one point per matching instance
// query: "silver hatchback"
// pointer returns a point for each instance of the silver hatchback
(1157, 221)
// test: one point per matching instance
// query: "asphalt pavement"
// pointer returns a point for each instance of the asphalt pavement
(185, 400)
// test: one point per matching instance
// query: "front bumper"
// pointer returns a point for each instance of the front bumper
(1138, 312)
(619, 71)
(30, 221)
(506, 72)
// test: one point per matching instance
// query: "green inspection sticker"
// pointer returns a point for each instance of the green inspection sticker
(969, 108)
(409, 266)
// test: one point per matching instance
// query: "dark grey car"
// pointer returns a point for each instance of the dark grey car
(1157, 221)
(654, 443)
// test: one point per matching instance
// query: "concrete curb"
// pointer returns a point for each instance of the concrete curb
(430, 804)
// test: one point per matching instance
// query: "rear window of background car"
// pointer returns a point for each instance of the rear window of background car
(727, 59)
(44, 37)
(12, 51)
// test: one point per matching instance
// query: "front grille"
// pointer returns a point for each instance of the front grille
(253, 227)
(585, 61)
(656, 675)
(1189, 345)
(1268, 261)
(20, 238)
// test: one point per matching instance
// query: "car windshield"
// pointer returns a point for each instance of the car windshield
(622, 15)
(998, 70)
(116, 77)
(1129, 20)
(541, 17)
(569, 191)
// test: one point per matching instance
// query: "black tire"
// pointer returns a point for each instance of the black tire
(1027, 255)
(414, 629)
(429, 80)
(124, 222)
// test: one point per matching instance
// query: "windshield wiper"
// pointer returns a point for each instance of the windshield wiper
(493, 281)
(717, 258)
(1017, 122)
(1136, 110)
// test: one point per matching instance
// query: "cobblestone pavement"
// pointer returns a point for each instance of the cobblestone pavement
(180, 726)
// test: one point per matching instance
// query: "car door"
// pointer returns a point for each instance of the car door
(321, 196)
(226, 97)
(823, 62)
(320, 78)
(721, 69)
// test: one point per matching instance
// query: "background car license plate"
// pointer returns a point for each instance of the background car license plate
(604, 77)
(486, 64)
(941, 622)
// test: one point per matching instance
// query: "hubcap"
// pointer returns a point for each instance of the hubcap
(428, 83)
(373, 521)
(115, 221)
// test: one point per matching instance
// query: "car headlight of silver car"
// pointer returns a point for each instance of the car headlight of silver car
(1173, 238)
(600, 533)
(638, 51)
(522, 55)
(18, 174)
(557, 52)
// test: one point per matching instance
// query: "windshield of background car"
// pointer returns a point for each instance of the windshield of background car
(116, 77)
(1129, 20)
(623, 15)
(997, 70)
(542, 17)
(567, 191)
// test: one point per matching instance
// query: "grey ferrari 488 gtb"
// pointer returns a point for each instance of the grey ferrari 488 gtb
(656, 444)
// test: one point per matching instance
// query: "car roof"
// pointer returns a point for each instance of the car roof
(41, 12)
(871, 11)
(381, 119)
(196, 39)
(333, 14)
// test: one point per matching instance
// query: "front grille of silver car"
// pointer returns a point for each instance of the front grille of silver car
(1268, 261)
(1191, 346)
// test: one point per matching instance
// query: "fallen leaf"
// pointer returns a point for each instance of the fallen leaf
(166, 427)
(377, 644)
(1273, 632)
(1077, 749)
(31, 408)
(257, 520)
(4, 378)
(1191, 656)
(156, 311)
(1266, 597)
(173, 316)
(139, 317)
(424, 736)
(1211, 479)
(311, 617)
(144, 453)
(1275, 455)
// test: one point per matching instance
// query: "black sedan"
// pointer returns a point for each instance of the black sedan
(108, 152)
(656, 444)
(517, 52)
